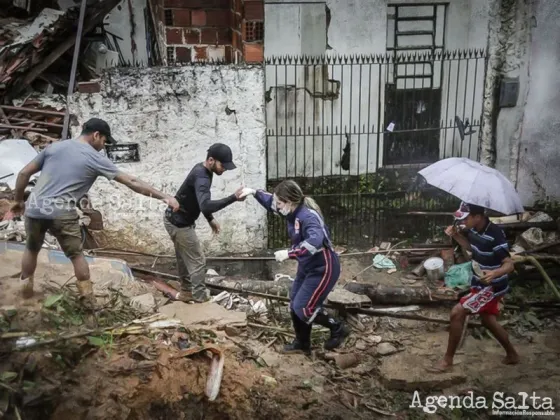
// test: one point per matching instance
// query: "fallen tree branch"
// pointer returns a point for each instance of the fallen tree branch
(532, 260)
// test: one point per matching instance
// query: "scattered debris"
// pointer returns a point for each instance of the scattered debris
(380, 261)
(344, 361)
(269, 380)
(407, 372)
(386, 349)
(233, 301)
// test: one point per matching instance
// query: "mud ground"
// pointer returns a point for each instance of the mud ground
(114, 382)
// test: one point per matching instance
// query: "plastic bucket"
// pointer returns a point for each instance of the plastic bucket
(434, 268)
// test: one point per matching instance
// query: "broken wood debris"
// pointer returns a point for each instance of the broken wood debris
(39, 124)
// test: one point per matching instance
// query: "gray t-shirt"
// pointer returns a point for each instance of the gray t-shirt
(68, 170)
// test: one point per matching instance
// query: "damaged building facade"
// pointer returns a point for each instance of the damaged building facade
(356, 94)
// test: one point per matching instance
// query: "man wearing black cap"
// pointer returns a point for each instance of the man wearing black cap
(68, 170)
(194, 198)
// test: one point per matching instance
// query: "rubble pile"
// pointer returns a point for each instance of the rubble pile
(24, 44)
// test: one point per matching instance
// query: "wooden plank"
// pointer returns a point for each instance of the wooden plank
(7, 121)
(32, 111)
(47, 124)
(14, 127)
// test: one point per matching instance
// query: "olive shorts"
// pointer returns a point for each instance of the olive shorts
(66, 231)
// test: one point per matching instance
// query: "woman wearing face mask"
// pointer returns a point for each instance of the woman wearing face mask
(318, 263)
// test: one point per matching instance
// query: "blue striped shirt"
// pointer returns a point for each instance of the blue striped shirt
(489, 249)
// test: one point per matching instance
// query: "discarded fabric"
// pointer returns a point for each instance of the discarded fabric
(380, 261)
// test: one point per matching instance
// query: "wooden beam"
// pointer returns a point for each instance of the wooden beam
(46, 124)
(32, 111)
(15, 127)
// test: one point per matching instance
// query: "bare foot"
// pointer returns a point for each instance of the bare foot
(440, 367)
(511, 359)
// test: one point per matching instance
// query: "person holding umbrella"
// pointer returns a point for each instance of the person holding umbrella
(318, 263)
(492, 265)
(483, 188)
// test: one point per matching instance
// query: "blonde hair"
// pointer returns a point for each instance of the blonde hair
(290, 191)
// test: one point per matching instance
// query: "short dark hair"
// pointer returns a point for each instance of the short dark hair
(476, 210)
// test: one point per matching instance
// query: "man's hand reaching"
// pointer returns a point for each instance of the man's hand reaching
(172, 202)
(239, 194)
(215, 227)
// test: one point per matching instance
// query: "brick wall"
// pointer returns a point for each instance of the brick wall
(248, 30)
(198, 30)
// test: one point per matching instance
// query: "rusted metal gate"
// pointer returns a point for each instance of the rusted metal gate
(354, 131)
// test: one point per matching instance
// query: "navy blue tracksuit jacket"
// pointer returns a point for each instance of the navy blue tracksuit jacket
(318, 263)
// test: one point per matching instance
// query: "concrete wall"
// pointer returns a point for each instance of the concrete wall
(175, 114)
(313, 110)
(538, 151)
(128, 23)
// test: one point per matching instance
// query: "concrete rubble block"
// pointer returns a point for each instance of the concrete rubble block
(385, 349)
(407, 372)
(374, 339)
(269, 380)
(348, 299)
(146, 302)
(344, 361)
(203, 315)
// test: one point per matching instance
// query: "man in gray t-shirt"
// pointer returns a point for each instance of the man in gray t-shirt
(68, 170)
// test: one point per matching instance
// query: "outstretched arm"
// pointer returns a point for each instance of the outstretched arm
(266, 200)
(141, 187)
(205, 202)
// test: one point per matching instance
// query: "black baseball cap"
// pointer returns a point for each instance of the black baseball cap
(97, 124)
(222, 152)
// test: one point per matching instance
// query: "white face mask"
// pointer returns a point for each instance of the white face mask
(284, 211)
(286, 207)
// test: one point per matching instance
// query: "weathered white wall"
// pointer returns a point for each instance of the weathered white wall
(534, 151)
(309, 131)
(175, 114)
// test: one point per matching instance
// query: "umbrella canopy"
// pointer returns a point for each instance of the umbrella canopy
(475, 184)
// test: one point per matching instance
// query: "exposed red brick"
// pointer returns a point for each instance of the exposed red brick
(254, 10)
(89, 87)
(229, 54)
(174, 3)
(181, 17)
(218, 18)
(198, 18)
(208, 36)
(238, 6)
(201, 53)
(224, 36)
(197, 4)
(236, 40)
(254, 53)
(182, 55)
(192, 36)
(174, 36)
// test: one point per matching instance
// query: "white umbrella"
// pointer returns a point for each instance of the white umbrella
(475, 184)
